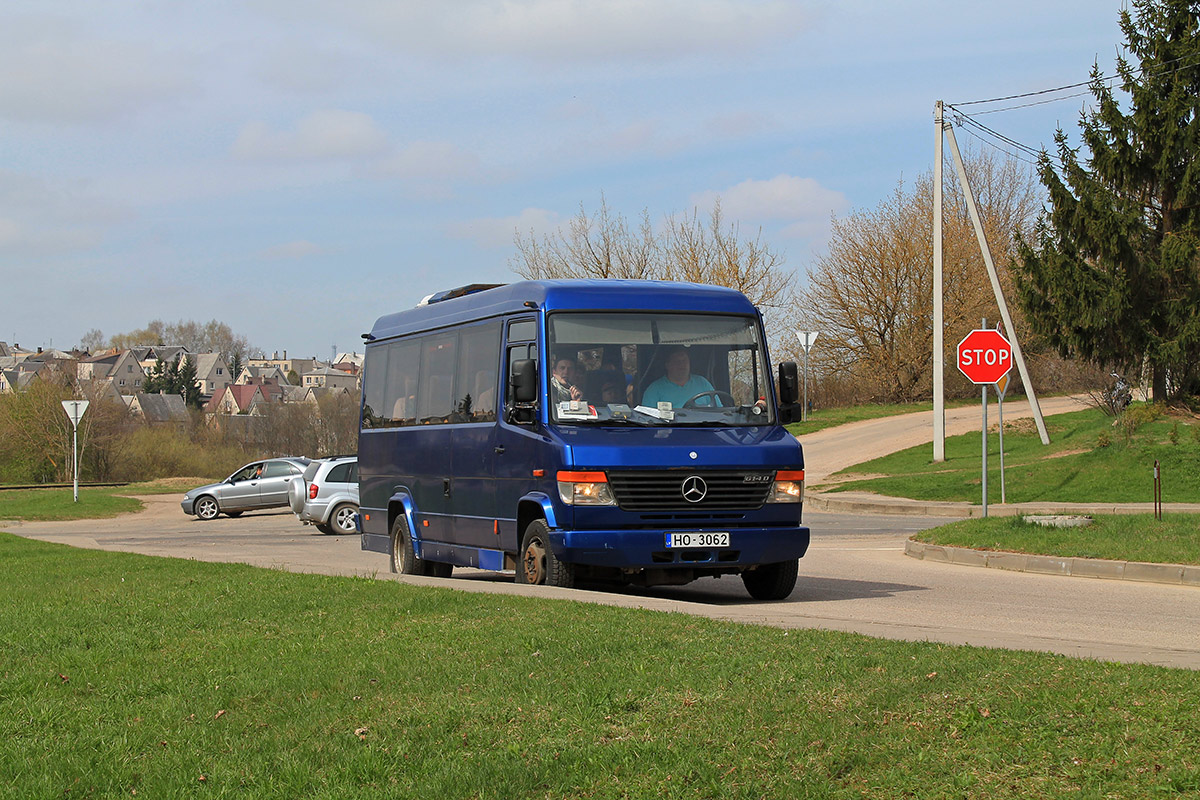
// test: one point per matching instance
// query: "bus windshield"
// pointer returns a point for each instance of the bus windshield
(657, 369)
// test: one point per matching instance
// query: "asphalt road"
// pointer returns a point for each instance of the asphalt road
(854, 578)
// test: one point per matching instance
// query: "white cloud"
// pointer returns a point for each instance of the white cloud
(38, 217)
(291, 251)
(430, 160)
(568, 31)
(53, 71)
(802, 204)
(497, 232)
(325, 134)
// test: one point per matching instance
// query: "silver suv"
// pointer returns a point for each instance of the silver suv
(327, 494)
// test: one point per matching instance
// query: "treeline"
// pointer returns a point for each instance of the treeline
(115, 445)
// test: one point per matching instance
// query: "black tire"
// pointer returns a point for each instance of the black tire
(323, 528)
(341, 519)
(772, 581)
(536, 563)
(439, 569)
(234, 514)
(206, 507)
(404, 558)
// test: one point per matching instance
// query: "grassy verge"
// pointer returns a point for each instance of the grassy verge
(124, 674)
(42, 505)
(1138, 537)
(1088, 461)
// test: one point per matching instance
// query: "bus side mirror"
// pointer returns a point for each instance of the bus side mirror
(789, 393)
(789, 383)
(524, 380)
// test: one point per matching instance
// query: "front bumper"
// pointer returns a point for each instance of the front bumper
(188, 506)
(639, 549)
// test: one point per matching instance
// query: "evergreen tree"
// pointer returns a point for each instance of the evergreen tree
(235, 366)
(186, 382)
(157, 382)
(1112, 272)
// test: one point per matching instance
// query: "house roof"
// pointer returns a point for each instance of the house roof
(162, 407)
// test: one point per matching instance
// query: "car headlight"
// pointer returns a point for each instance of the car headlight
(788, 487)
(585, 489)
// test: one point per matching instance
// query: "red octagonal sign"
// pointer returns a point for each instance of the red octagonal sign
(984, 356)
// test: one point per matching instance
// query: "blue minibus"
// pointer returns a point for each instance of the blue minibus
(598, 431)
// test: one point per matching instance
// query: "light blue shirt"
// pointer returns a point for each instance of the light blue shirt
(664, 391)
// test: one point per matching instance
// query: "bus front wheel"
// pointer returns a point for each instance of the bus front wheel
(772, 581)
(404, 558)
(536, 563)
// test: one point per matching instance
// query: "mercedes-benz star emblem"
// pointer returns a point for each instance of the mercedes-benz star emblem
(694, 489)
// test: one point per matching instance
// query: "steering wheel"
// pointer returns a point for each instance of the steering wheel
(725, 397)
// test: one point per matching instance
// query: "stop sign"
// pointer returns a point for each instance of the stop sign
(984, 356)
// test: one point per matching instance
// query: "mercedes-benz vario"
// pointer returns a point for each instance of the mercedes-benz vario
(582, 430)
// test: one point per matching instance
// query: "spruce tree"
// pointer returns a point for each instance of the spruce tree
(1112, 273)
(186, 375)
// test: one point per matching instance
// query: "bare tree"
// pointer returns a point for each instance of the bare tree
(871, 294)
(686, 248)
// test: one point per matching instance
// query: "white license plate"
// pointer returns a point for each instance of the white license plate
(699, 540)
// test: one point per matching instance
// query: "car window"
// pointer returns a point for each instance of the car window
(279, 469)
(248, 472)
(311, 470)
(339, 474)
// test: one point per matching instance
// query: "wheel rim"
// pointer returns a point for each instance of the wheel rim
(344, 519)
(533, 561)
(206, 508)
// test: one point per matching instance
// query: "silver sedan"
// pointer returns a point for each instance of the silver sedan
(261, 484)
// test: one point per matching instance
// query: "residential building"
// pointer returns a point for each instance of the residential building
(329, 378)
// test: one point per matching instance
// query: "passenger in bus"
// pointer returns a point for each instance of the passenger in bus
(562, 383)
(483, 405)
(679, 384)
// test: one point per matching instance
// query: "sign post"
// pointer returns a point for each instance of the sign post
(984, 356)
(1001, 386)
(807, 338)
(75, 410)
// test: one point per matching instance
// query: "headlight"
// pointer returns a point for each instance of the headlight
(585, 489)
(788, 487)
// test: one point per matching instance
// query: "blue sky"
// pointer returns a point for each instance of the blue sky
(298, 168)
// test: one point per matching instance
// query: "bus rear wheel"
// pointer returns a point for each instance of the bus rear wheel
(537, 564)
(772, 581)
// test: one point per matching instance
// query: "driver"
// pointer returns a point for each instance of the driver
(679, 384)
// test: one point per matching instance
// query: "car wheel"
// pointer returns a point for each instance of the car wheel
(323, 528)
(233, 513)
(536, 563)
(206, 508)
(297, 494)
(342, 519)
(772, 581)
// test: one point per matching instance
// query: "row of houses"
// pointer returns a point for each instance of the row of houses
(122, 374)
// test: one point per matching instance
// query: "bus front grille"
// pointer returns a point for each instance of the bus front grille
(690, 491)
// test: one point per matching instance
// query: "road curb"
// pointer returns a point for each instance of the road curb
(867, 503)
(1176, 574)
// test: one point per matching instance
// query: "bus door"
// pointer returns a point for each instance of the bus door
(473, 489)
(519, 448)
(432, 439)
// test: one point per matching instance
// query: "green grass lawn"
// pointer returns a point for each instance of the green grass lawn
(1088, 460)
(822, 418)
(124, 675)
(37, 505)
(1136, 537)
(42, 505)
